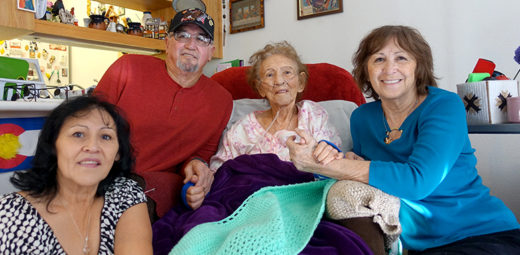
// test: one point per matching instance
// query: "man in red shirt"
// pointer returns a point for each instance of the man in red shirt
(176, 113)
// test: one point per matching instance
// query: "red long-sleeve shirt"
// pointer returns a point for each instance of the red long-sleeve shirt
(169, 124)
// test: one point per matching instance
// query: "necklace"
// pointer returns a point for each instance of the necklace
(85, 249)
(393, 134)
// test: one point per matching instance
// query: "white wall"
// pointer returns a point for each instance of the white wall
(88, 65)
(459, 32)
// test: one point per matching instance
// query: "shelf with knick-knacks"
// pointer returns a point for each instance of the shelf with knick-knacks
(15, 23)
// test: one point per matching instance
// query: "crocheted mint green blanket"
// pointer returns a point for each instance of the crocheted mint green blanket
(274, 220)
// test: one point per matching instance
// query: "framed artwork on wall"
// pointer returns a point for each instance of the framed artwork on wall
(245, 15)
(26, 5)
(313, 8)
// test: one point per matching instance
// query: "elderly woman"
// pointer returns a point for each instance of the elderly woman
(77, 198)
(279, 76)
(414, 142)
(253, 155)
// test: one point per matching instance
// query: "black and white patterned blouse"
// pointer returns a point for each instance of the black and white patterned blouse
(23, 230)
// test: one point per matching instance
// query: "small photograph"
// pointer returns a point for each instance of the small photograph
(313, 8)
(26, 5)
(246, 15)
(58, 47)
(64, 72)
(15, 44)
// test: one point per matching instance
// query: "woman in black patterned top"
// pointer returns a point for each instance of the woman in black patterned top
(77, 198)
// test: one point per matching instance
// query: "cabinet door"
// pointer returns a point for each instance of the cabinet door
(14, 22)
(214, 9)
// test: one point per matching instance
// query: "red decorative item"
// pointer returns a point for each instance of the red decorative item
(501, 77)
(484, 66)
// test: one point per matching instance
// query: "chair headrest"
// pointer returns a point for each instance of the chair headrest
(326, 82)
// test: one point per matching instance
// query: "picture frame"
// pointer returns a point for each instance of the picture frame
(246, 15)
(26, 5)
(314, 8)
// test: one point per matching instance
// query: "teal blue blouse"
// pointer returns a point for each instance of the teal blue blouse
(432, 169)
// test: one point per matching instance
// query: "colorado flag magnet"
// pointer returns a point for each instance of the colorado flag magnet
(18, 139)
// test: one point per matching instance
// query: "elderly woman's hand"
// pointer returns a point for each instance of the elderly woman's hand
(305, 153)
(325, 153)
(353, 156)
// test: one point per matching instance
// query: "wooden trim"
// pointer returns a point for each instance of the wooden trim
(140, 5)
(14, 22)
(214, 9)
(89, 37)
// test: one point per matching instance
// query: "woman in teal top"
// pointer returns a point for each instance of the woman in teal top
(412, 142)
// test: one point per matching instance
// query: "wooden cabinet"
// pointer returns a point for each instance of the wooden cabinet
(15, 23)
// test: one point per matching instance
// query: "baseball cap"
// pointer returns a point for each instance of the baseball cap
(195, 16)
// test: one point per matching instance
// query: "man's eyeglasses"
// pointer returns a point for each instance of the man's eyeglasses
(185, 37)
(270, 77)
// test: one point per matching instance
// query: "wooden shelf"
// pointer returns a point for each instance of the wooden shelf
(15, 23)
(140, 5)
(93, 38)
(508, 128)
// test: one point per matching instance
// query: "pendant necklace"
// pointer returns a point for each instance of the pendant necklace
(85, 249)
(393, 134)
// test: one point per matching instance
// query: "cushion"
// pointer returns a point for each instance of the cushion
(339, 115)
(326, 82)
(164, 188)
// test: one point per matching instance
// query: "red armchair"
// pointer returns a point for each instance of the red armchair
(326, 82)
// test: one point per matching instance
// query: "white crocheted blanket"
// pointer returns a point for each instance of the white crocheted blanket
(350, 199)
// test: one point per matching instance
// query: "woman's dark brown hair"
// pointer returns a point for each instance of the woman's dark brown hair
(411, 41)
(41, 180)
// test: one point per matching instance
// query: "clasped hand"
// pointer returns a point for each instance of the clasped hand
(198, 173)
(308, 155)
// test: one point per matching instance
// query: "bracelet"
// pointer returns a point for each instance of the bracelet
(331, 144)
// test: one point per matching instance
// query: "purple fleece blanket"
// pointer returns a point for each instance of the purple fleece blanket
(234, 182)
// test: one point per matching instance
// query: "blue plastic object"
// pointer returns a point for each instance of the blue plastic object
(183, 192)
